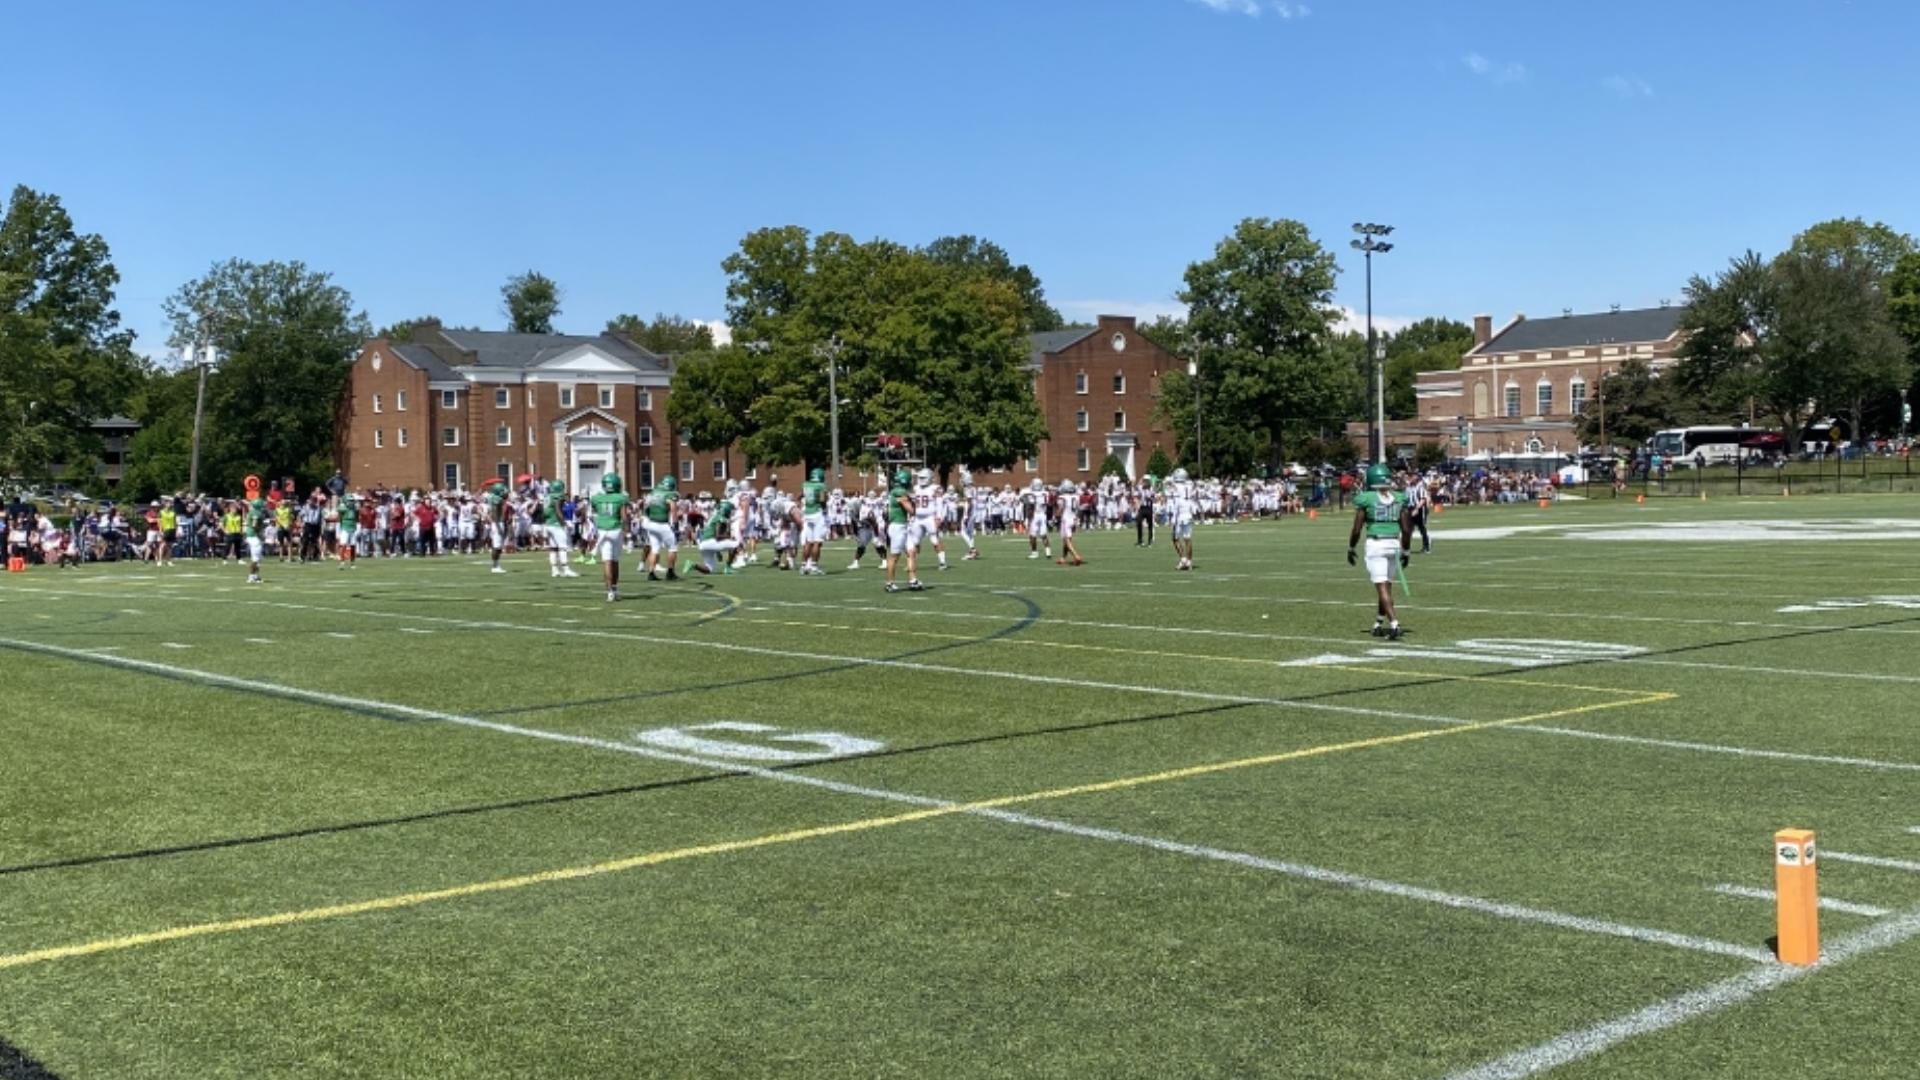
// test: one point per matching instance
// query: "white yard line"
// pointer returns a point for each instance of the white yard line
(1907, 865)
(1719, 748)
(1596, 1039)
(1303, 871)
(1827, 903)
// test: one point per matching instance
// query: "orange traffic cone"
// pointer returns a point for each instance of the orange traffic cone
(16, 564)
(1639, 498)
(1313, 515)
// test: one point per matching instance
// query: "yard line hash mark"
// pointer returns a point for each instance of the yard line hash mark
(1827, 903)
(1907, 865)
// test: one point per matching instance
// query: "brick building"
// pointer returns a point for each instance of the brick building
(1520, 388)
(455, 408)
(1098, 389)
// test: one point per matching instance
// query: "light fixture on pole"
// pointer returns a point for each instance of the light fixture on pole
(1367, 245)
(203, 357)
(1199, 447)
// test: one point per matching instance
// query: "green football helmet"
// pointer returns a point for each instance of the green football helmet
(610, 483)
(817, 476)
(667, 483)
(1379, 476)
(902, 478)
(556, 489)
(498, 488)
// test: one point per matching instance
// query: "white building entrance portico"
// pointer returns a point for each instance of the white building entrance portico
(1121, 444)
(588, 445)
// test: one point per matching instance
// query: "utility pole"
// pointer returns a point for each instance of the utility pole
(1193, 376)
(831, 352)
(202, 357)
(1376, 351)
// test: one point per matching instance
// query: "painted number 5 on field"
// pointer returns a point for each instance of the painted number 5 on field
(799, 745)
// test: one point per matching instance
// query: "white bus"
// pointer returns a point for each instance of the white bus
(1693, 445)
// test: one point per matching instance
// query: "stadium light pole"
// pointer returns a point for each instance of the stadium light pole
(830, 351)
(1367, 245)
(202, 357)
(1199, 447)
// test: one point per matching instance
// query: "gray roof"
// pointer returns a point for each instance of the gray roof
(500, 349)
(1637, 326)
(423, 358)
(1052, 341)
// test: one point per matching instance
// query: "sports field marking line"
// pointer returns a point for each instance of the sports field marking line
(258, 641)
(1827, 903)
(339, 635)
(932, 807)
(1538, 729)
(1595, 1039)
(1907, 865)
(175, 645)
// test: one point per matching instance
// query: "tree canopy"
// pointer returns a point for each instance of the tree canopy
(530, 301)
(923, 345)
(1260, 323)
(668, 335)
(990, 260)
(285, 336)
(65, 361)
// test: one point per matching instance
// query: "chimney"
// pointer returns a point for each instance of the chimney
(1482, 330)
(1115, 322)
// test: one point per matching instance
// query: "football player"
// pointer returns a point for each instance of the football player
(609, 506)
(1037, 539)
(718, 536)
(813, 528)
(900, 509)
(1069, 518)
(558, 542)
(658, 525)
(1181, 505)
(1382, 516)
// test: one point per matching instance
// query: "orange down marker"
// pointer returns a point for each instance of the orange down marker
(1797, 888)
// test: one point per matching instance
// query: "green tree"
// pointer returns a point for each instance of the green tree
(1111, 465)
(1879, 247)
(1806, 333)
(400, 333)
(65, 361)
(1261, 315)
(984, 257)
(668, 335)
(926, 347)
(1632, 403)
(1432, 344)
(1169, 332)
(713, 396)
(157, 459)
(531, 301)
(1159, 464)
(285, 336)
(1429, 455)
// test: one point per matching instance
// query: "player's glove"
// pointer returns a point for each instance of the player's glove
(1353, 557)
(1404, 556)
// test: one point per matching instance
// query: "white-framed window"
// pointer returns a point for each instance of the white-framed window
(449, 436)
(1033, 464)
(376, 404)
(645, 399)
(500, 399)
(644, 433)
(530, 401)
(504, 470)
(1544, 397)
(1079, 382)
(503, 436)
(529, 434)
(1119, 420)
(1577, 394)
(1119, 382)
(686, 470)
(450, 475)
(753, 472)
(1082, 460)
(719, 468)
(683, 438)
(566, 397)
(399, 401)
(1513, 399)
(606, 397)
(403, 436)
(646, 474)
(379, 439)
(449, 399)
(1080, 420)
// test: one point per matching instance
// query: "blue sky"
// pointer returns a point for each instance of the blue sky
(1534, 155)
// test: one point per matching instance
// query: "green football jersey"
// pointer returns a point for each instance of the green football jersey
(896, 513)
(659, 507)
(256, 517)
(721, 521)
(814, 497)
(555, 499)
(349, 514)
(608, 508)
(1382, 509)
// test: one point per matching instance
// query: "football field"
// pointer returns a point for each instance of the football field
(414, 819)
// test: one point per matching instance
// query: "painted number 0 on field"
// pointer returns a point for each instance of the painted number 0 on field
(820, 744)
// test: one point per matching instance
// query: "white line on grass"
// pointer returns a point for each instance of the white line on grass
(1590, 1041)
(258, 641)
(1871, 860)
(1543, 729)
(175, 645)
(1318, 874)
(1827, 903)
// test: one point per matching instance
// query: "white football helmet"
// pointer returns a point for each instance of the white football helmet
(1036, 485)
(1179, 476)
(925, 476)
(1066, 487)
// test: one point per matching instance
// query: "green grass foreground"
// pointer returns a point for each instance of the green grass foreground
(184, 751)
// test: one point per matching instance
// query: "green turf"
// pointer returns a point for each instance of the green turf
(856, 936)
